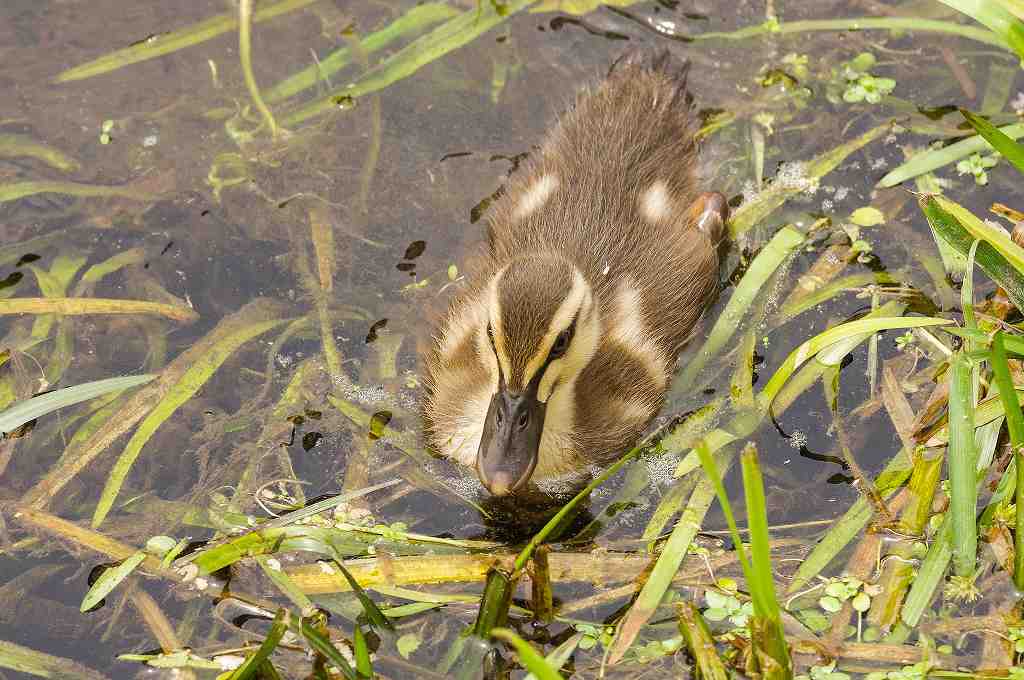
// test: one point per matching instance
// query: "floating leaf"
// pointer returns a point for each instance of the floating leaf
(867, 216)
(407, 644)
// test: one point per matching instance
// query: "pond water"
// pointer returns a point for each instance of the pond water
(298, 276)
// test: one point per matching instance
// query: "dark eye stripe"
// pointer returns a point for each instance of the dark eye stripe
(555, 353)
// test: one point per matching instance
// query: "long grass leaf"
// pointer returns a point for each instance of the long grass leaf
(847, 527)
(1015, 424)
(361, 651)
(962, 462)
(762, 585)
(560, 654)
(32, 662)
(87, 306)
(953, 232)
(933, 159)
(272, 570)
(159, 45)
(447, 37)
(323, 646)
(753, 282)
(671, 557)
(701, 643)
(36, 407)
(16, 190)
(811, 347)
(416, 18)
(1010, 150)
(930, 573)
(190, 383)
(976, 33)
(528, 656)
(370, 608)
(109, 579)
(996, 18)
(12, 145)
(251, 666)
(759, 207)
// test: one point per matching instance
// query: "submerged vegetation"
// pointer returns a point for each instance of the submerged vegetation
(256, 502)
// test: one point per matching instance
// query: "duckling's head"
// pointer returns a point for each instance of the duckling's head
(542, 330)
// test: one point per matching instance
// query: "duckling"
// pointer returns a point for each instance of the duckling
(601, 256)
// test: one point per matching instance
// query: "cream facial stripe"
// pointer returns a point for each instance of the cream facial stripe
(465, 321)
(566, 312)
(563, 372)
(536, 195)
(495, 322)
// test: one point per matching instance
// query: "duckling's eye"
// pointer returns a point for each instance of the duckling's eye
(561, 344)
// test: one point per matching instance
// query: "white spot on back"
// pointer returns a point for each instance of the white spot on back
(536, 196)
(630, 330)
(655, 203)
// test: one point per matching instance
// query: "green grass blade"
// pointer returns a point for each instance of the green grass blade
(36, 407)
(190, 383)
(361, 651)
(762, 205)
(528, 656)
(494, 602)
(1007, 390)
(761, 584)
(1015, 424)
(12, 145)
(929, 575)
(810, 348)
(447, 37)
(370, 608)
(166, 43)
(1010, 150)
(962, 461)
(967, 292)
(323, 646)
(109, 579)
(701, 643)
(847, 527)
(753, 282)
(273, 571)
(415, 19)
(933, 159)
(252, 664)
(959, 229)
(31, 662)
(996, 18)
(668, 563)
(556, 522)
(560, 654)
(981, 35)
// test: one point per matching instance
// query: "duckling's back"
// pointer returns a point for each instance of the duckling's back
(614, 189)
(601, 256)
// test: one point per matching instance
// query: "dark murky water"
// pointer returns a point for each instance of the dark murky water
(399, 177)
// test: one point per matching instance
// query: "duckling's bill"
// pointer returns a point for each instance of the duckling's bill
(510, 444)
